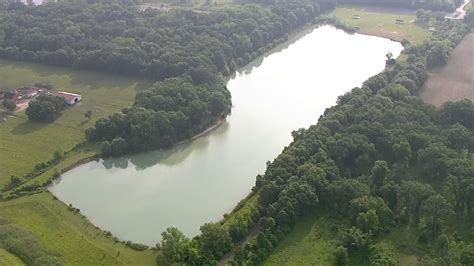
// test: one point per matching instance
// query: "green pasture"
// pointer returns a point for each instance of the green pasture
(60, 229)
(23, 144)
(382, 24)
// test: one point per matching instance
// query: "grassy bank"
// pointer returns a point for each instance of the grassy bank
(310, 241)
(382, 23)
(24, 144)
(7, 258)
(313, 241)
(70, 233)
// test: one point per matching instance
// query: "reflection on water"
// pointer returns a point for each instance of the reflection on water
(137, 197)
(169, 157)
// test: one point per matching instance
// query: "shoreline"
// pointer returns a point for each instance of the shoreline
(298, 34)
(94, 157)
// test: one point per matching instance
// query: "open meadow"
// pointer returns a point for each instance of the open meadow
(58, 228)
(454, 81)
(24, 144)
(381, 22)
(310, 241)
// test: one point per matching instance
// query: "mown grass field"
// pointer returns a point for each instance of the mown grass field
(382, 23)
(311, 242)
(9, 259)
(23, 144)
(58, 228)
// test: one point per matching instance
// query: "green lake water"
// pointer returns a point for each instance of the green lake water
(139, 196)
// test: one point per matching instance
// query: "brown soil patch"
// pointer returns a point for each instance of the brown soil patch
(455, 81)
(22, 106)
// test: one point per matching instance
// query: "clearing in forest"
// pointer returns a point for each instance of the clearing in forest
(454, 81)
(388, 23)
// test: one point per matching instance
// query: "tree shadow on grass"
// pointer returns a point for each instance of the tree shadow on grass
(28, 127)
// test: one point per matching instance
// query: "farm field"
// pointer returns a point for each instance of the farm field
(24, 144)
(382, 23)
(455, 81)
(70, 233)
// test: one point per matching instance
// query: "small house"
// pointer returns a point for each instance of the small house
(70, 98)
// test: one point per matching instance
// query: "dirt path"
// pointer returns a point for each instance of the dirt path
(455, 81)
(230, 256)
(22, 106)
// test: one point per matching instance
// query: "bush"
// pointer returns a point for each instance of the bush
(46, 108)
(9, 104)
(26, 246)
(341, 256)
(136, 246)
(382, 254)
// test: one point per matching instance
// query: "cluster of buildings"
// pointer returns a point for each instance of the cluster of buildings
(27, 93)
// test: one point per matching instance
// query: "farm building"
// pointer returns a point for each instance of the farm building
(71, 98)
(27, 92)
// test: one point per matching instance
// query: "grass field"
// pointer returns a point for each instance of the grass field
(382, 23)
(454, 81)
(7, 258)
(312, 242)
(309, 243)
(23, 144)
(60, 229)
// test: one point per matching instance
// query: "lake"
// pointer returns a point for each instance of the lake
(36, 2)
(137, 197)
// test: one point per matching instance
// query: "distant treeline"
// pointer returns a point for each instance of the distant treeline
(380, 158)
(116, 36)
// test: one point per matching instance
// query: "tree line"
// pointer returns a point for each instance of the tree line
(116, 36)
(381, 158)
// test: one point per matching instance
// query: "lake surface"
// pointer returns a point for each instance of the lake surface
(36, 2)
(137, 197)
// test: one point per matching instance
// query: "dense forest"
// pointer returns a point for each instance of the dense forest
(117, 37)
(380, 159)
(172, 111)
